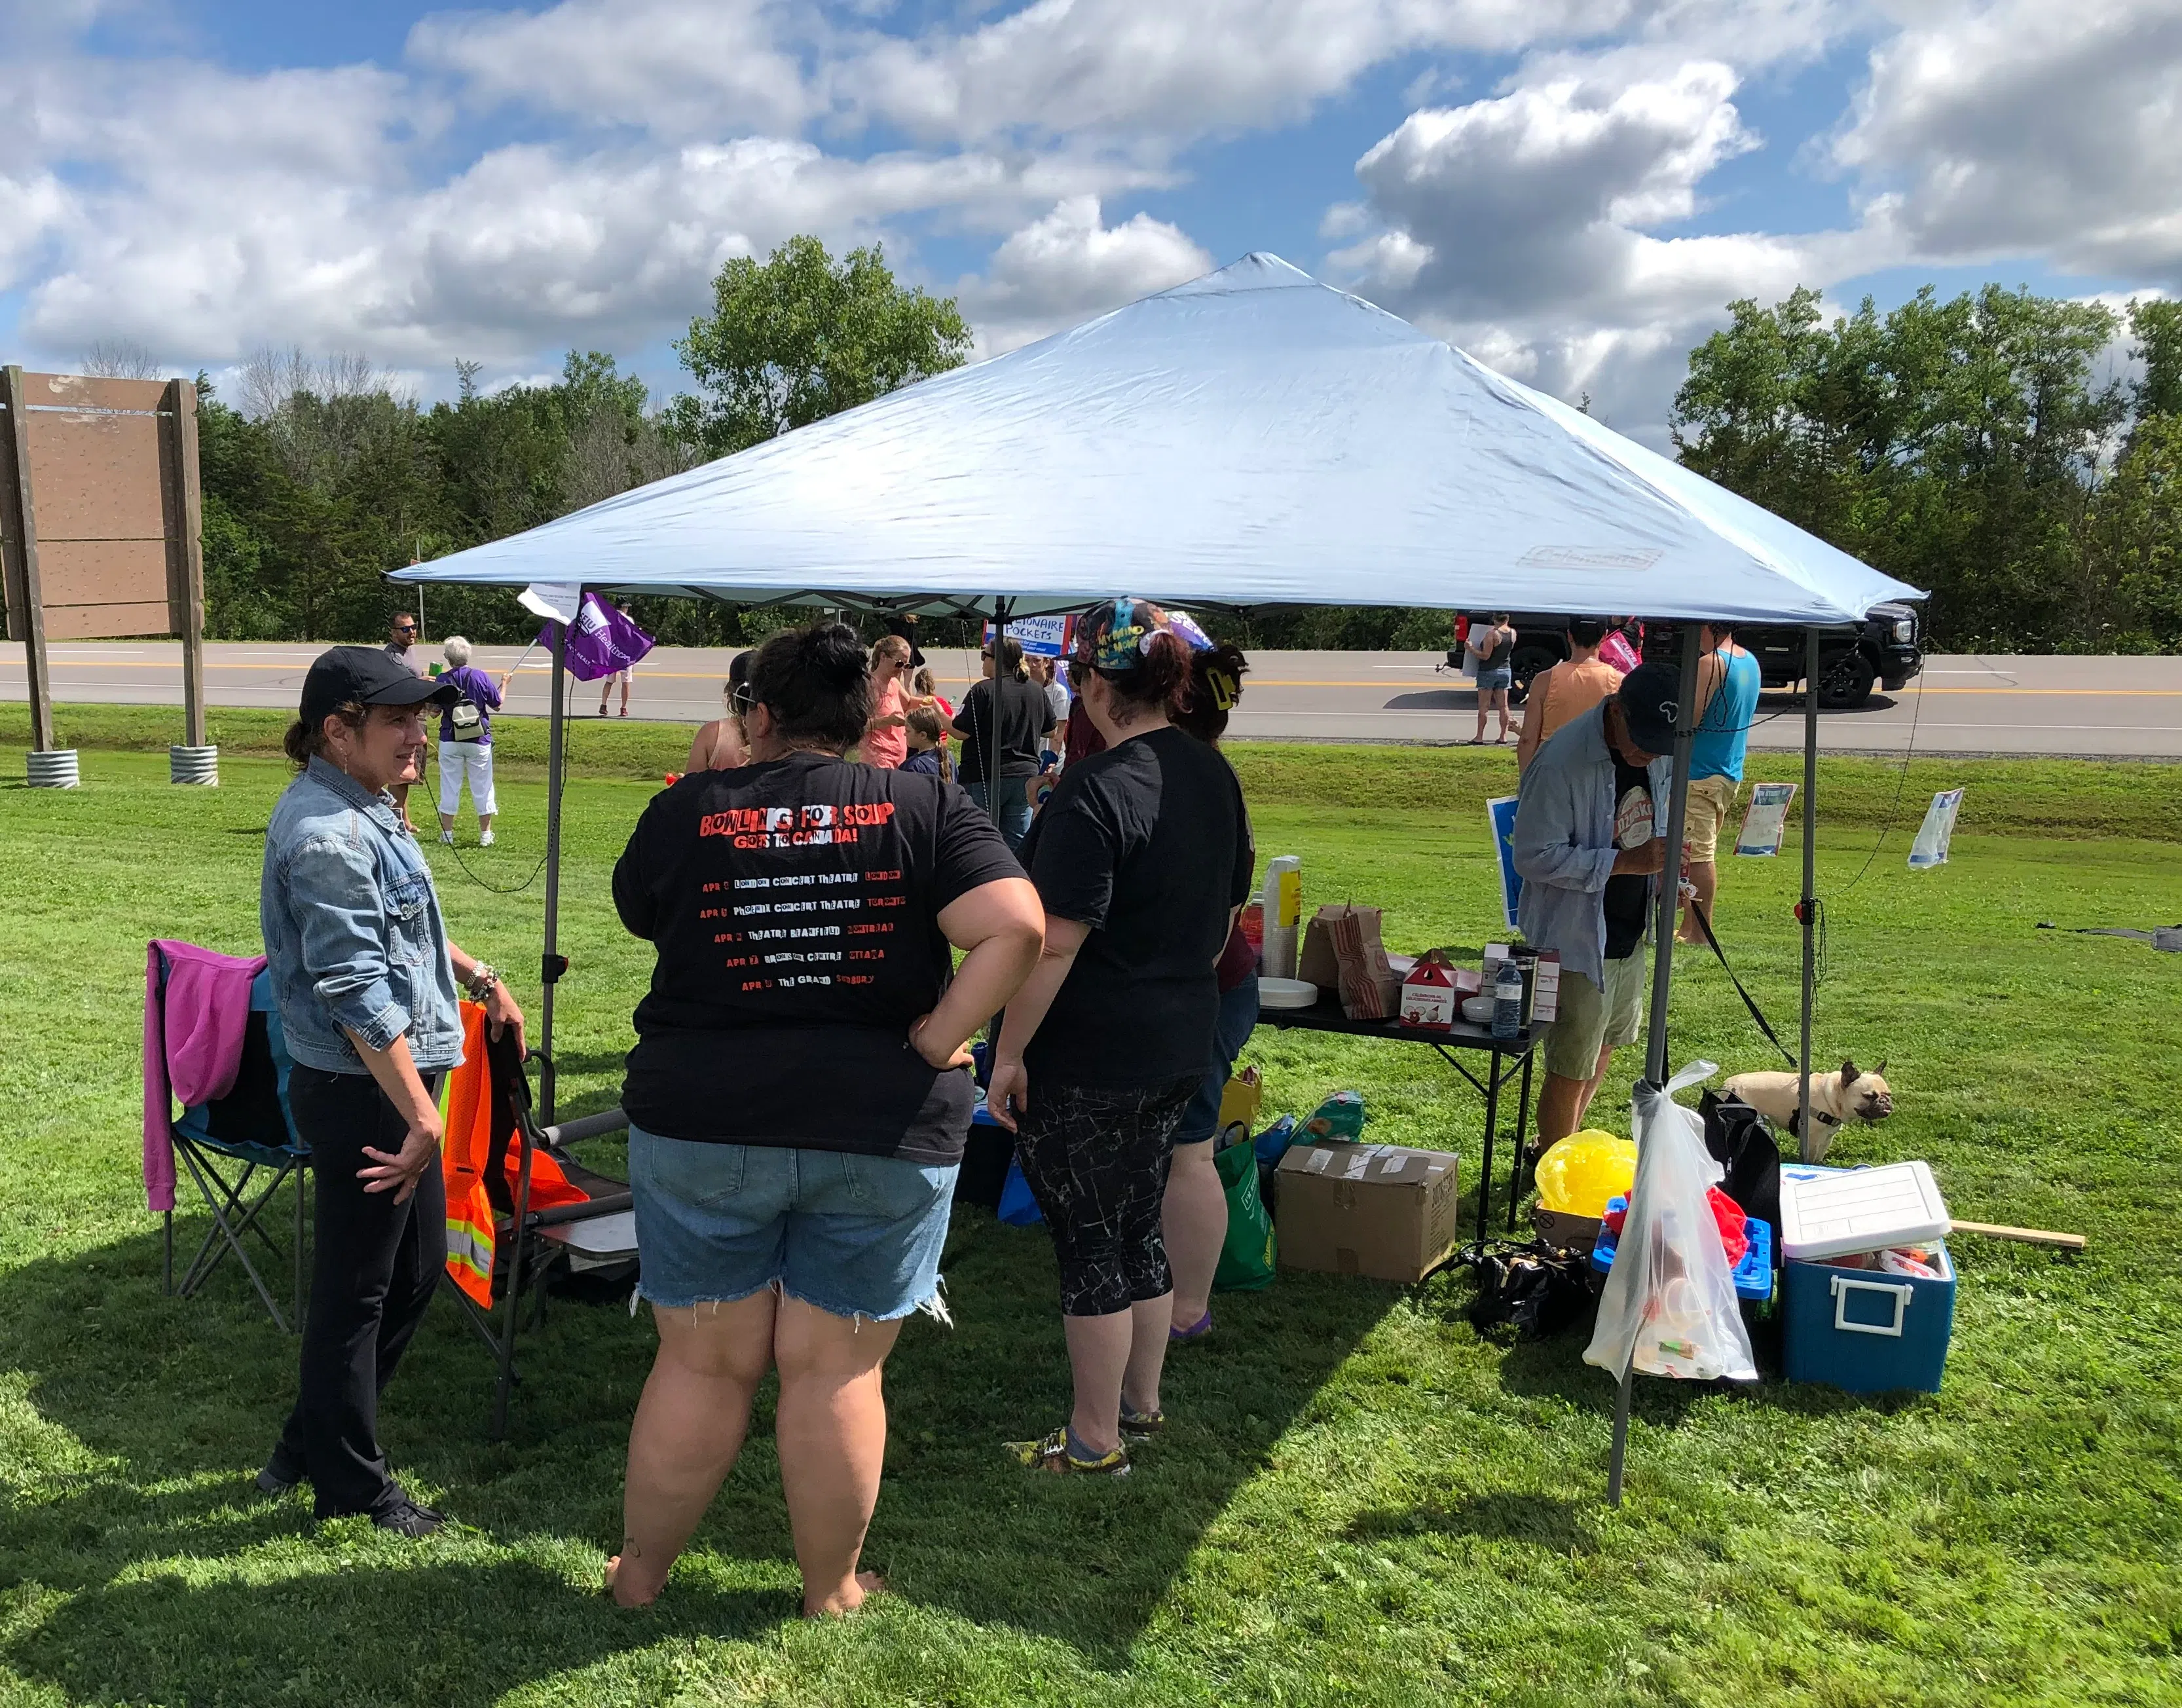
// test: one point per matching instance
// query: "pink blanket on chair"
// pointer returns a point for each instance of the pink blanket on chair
(193, 1034)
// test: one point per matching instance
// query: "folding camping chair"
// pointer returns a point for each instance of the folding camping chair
(226, 1145)
(527, 1242)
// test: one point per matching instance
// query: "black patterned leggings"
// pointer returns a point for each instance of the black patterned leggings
(1096, 1159)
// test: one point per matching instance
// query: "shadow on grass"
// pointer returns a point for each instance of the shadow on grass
(147, 1417)
(1544, 1520)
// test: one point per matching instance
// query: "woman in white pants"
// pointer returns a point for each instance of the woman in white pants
(466, 741)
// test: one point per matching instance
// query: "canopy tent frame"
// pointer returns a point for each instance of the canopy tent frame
(1271, 444)
(554, 966)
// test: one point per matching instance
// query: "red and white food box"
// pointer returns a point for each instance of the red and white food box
(1429, 1001)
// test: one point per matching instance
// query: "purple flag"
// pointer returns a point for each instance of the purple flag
(604, 641)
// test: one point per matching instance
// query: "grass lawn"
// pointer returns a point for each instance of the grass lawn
(1360, 1501)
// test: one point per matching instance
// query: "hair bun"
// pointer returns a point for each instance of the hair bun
(835, 652)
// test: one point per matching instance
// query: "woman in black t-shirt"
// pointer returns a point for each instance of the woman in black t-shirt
(796, 1099)
(1141, 858)
(1025, 717)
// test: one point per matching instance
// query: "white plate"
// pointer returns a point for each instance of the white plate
(1478, 1010)
(1287, 992)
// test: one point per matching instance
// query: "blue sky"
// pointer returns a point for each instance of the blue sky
(1572, 189)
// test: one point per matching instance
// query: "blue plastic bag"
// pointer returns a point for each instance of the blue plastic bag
(1018, 1209)
(1273, 1143)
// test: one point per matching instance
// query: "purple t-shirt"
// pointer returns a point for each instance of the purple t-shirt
(477, 689)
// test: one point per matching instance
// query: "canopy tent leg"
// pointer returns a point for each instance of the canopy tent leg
(1807, 912)
(551, 964)
(992, 714)
(1664, 920)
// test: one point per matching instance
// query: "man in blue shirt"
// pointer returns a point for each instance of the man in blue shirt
(1728, 681)
(1587, 844)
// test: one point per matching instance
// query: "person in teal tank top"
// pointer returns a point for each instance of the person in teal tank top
(1728, 681)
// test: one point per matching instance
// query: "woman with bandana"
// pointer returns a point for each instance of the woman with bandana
(1142, 859)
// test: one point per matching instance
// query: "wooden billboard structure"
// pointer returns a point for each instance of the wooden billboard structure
(101, 522)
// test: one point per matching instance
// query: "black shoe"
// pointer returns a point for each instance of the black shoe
(280, 1475)
(407, 1518)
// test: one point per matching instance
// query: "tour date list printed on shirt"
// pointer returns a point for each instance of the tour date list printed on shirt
(803, 927)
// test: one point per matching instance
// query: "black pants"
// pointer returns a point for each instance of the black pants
(1096, 1159)
(373, 1272)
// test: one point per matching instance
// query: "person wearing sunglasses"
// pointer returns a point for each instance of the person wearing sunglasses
(402, 647)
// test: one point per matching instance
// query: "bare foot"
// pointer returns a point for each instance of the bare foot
(864, 1585)
(614, 1577)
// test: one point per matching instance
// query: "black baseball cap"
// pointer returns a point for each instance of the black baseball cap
(1649, 697)
(370, 676)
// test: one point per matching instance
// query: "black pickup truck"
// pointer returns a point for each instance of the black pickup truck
(1884, 650)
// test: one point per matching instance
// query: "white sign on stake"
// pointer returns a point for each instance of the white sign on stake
(1767, 820)
(1938, 829)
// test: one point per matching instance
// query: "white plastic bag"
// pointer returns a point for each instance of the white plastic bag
(1669, 1300)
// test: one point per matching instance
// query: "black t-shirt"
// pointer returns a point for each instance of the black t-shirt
(1628, 899)
(1148, 845)
(1026, 715)
(795, 908)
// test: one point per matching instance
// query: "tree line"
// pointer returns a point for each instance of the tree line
(1968, 445)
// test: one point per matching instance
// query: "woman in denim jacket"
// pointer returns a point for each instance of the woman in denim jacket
(366, 982)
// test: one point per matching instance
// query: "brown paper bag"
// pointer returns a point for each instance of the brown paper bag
(1370, 991)
(1318, 963)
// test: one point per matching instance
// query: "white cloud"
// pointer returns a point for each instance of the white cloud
(1070, 266)
(1519, 226)
(667, 66)
(2028, 127)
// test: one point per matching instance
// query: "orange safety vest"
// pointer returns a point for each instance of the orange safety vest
(466, 1153)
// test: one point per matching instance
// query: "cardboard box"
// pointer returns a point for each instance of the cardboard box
(1428, 998)
(1377, 1210)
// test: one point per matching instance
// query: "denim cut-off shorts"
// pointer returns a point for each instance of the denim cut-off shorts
(1505, 677)
(855, 1236)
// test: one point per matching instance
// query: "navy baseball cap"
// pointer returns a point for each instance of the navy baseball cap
(1650, 697)
(369, 676)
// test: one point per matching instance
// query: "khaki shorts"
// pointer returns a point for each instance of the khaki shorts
(1712, 799)
(1590, 1019)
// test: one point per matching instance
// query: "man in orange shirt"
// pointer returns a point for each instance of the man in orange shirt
(1568, 690)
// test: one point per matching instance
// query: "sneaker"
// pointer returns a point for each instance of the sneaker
(1141, 1426)
(484, 839)
(407, 1518)
(447, 837)
(1058, 1453)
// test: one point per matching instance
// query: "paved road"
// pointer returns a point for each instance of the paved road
(2119, 707)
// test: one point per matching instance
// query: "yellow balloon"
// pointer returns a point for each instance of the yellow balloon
(1581, 1172)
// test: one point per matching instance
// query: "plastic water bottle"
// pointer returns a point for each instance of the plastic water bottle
(1507, 1001)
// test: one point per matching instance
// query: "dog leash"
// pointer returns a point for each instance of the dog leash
(1704, 924)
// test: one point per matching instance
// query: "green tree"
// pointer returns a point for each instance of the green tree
(1954, 444)
(2156, 326)
(799, 336)
(2135, 536)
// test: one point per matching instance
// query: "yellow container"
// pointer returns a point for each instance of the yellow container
(1581, 1172)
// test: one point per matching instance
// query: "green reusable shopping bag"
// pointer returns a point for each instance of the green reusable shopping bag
(1246, 1260)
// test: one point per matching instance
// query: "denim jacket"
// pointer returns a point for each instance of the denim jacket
(353, 936)
(1564, 845)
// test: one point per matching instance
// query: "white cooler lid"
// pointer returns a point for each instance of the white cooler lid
(1860, 1210)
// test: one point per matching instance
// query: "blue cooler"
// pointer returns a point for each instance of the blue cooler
(1864, 1330)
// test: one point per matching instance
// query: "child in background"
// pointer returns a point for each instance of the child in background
(924, 731)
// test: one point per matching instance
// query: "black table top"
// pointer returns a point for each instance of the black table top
(1325, 1016)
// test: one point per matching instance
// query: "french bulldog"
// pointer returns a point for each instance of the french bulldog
(1836, 1100)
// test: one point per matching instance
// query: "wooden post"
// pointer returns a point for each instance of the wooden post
(186, 551)
(19, 529)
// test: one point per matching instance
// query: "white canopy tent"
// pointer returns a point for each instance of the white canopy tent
(1253, 437)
